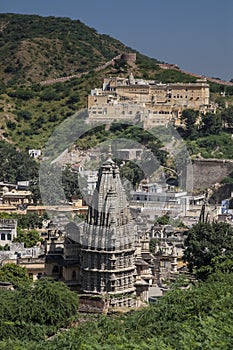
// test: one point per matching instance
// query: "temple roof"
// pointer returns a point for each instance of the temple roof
(108, 222)
(109, 201)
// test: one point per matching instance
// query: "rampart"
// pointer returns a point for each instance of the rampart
(207, 172)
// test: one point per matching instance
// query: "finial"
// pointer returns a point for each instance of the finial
(110, 151)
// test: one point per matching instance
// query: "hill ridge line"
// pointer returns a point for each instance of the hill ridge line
(213, 80)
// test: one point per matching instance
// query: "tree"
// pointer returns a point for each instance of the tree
(211, 124)
(189, 118)
(52, 303)
(206, 241)
(14, 274)
(132, 172)
(29, 238)
(23, 114)
(35, 310)
(163, 220)
(227, 116)
(70, 182)
(30, 221)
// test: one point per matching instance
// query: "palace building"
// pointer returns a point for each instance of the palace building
(146, 101)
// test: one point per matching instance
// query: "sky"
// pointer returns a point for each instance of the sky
(197, 35)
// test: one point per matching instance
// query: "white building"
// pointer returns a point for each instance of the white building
(8, 231)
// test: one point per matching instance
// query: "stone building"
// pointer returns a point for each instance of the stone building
(146, 101)
(107, 252)
(105, 258)
(62, 250)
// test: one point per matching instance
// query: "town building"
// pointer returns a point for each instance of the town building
(8, 231)
(31, 258)
(107, 251)
(16, 197)
(158, 199)
(34, 153)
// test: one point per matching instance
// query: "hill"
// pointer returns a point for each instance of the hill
(34, 49)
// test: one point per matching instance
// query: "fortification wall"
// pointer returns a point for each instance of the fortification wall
(207, 172)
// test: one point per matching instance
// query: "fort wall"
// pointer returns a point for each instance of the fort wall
(207, 172)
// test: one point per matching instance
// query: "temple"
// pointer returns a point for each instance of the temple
(108, 269)
(108, 262)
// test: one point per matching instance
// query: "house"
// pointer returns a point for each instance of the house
(34, 153)
(8, 231)
(16, 197)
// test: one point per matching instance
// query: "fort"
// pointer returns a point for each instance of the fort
(147, 101)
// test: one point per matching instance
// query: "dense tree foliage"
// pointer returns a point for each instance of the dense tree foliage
(32, 311)
(210, 135)
(213, 146)
(132, 172)
(197, 318)
(163, 220)
(30, 238)
(15, 274)
(227, 116)
(71, 183)
(206, 241)
(16, 166)
(211, 124)
(189, 119)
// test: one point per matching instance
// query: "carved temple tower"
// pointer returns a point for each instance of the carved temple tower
(107, 254)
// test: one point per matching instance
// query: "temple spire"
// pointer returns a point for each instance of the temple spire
(110, 151)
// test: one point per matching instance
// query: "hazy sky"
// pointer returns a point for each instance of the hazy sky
(195, 34)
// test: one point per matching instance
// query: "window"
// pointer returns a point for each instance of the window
(55, 269)
(9, 237)
(3, 236)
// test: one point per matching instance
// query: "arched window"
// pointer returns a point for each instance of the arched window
(3, 236)
(9, 237)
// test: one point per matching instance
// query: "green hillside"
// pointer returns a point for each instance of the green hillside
(34, 49)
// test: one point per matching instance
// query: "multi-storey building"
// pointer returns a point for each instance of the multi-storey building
(146, 101)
